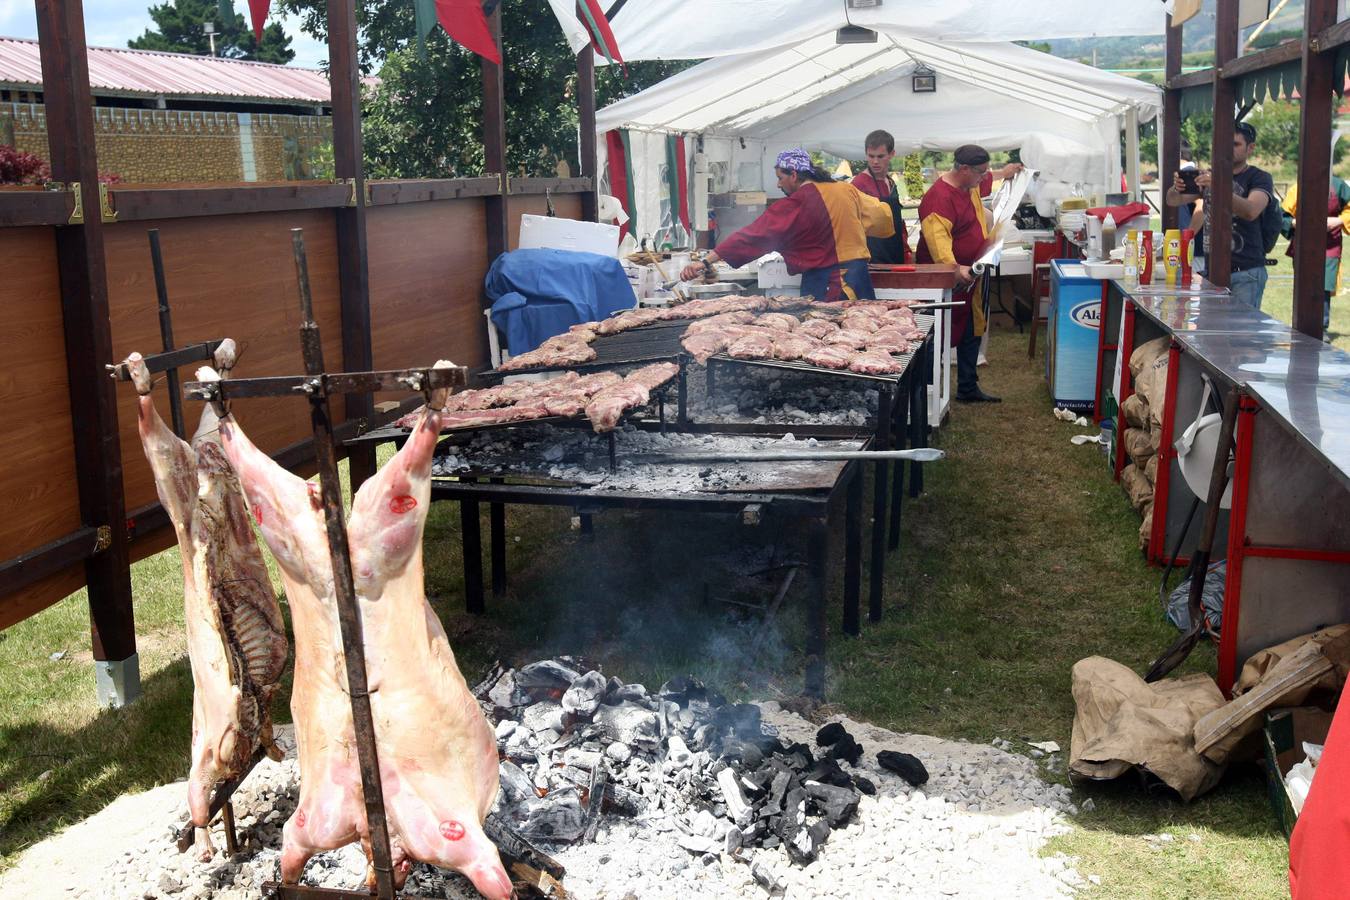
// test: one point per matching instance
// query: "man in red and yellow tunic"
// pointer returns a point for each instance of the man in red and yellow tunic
(821, 228)
(953, 228)
(875, 181)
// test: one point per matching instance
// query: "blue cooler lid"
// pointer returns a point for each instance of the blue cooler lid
(1071, 271)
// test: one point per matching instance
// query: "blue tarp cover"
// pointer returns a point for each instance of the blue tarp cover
(539, 293)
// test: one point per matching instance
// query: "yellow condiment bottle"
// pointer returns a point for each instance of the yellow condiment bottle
(1172, 254)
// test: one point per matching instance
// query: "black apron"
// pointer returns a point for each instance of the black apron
(889, 250)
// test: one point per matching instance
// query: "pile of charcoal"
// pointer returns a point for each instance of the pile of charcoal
(576, 746)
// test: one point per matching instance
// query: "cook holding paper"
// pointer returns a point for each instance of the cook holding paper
(821, 228)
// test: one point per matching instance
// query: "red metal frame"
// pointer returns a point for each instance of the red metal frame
(1157, 541)
(1330, 556)
(1126, 387)
(1102, 347)
(1237, 545)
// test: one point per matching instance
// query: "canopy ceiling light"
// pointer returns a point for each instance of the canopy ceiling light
(924, 80)
(855, 34)
(863, 4)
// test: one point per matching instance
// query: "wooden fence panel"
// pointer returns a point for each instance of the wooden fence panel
(39, 501)
(227, 276)
(427, 263)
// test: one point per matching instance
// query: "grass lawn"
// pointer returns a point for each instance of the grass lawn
(1021, 558)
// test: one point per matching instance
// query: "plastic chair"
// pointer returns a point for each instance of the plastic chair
(1041, 254)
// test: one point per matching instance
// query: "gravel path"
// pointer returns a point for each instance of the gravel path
(976, 829)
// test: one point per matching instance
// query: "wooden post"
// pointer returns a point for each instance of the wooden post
(353, 268)
(1219, 263)
(586, 109)
(1169, 156)
(494, 143)
(84, 310)
(1314, 170)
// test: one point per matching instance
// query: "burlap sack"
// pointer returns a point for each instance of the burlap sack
(1135, 411)
(1138, 488)
(1146, 526)
(1283, 675)
(1145, 354)
(1139, 445)
(1151, 469)
(1152, 383)
(1121, 722)
(1154, 435)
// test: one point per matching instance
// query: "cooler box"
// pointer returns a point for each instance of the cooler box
(1071, 353)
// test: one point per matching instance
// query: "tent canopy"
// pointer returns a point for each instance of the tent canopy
(702, 29)
(816, 93)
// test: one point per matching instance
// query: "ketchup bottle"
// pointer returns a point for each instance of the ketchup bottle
(1146, 257)
(1187, 235)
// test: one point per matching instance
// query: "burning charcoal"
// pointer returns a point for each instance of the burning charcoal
(741, 718)
(765, 878)
(732, 841)
(504, 729)
(755, 785)
(865, 785)
(794, 805)
(836, 804)
(773, 803)
(627, 693)
(619, 752)
(630, 724)
(703, 736)
(827, 771)
(681, 689)
(546, 675)
(830, 734)
(624, 801)
(738, 809)
(807, 842)
(799, 756)
(677, 752)
(558, 817)
(516, 785)
(847, 748)
(544, 716)
(903, 764)
(506, 694)
(770, 842)
(586, 759)
(752, 756)
(583, 697)
(573, 775)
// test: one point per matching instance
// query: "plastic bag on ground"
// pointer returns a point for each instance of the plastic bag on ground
(1211, 600)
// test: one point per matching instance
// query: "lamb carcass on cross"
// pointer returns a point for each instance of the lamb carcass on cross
(236, 637)
(437, 754)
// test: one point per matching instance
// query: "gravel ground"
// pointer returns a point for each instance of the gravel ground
(975, 829)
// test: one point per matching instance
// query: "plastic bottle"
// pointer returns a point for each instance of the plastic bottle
(1187, 235)
(1172, 254)
(1108, 236)
(1146, 258)
(1131, 259)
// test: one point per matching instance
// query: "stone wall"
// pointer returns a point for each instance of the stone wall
(155, 145)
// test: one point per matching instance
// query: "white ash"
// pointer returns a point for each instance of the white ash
(581, 457)
(764, 396)
(975, 829)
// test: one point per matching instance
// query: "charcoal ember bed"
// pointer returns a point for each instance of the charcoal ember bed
(579, 457)
(763, 396)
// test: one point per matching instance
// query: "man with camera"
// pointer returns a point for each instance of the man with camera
(1252, 190)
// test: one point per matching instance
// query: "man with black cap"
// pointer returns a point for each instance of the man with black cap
(953, 229)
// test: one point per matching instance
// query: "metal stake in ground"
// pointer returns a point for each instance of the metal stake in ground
(353, 646)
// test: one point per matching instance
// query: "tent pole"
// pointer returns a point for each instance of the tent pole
(1132, 151)
(586, 115)
(1314, 168)
(1169, 128)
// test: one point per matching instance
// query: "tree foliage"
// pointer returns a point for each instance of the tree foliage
(425, 118)
(179, 30)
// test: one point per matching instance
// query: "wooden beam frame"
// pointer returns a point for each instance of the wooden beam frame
(21, 208)
(353, 265)
(590, 201)
(85, 314)
(519, 187)
(1219, 259)
(494, 142)
(1314, 169)
(1169, 155)
(134, 204)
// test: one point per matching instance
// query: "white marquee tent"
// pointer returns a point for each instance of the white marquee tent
(1066, 118)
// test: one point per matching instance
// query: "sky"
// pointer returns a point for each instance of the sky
(111, 23)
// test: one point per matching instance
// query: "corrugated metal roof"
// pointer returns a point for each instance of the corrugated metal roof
(151, 73)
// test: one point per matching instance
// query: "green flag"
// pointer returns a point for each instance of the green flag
(424, 15)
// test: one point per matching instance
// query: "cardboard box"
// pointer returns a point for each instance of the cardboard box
(1287, 729)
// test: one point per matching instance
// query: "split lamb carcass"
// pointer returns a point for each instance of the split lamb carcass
(653, 376)
(235, 634)
(608, 406)
(437, 753)
(705, 344)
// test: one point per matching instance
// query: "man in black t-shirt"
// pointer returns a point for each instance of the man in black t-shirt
(1252, 190)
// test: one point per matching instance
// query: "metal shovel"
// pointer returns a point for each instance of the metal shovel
(1218, 482)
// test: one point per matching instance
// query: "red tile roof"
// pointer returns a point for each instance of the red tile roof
(148, 73)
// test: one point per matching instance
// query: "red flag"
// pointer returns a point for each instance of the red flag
(618, 173)
(257, 10)
(464, 21)
(682, 167)
(602, 36)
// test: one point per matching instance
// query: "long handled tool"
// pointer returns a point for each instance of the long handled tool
(1218, 482)
(918, 454)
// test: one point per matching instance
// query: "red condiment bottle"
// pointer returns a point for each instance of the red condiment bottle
(1187, 235)
(1146, 254)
